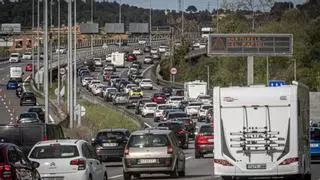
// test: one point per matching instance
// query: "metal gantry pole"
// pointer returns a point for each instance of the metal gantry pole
(75, 62)
(250, 70)
(120, 17)
(59, 52)
(51, 39)
(150, 24)
(45, 53)
(38, 43)
(92, 2)
(182, 19)
(208, 77)
(32, 42)
(70, 63)
(217, 28)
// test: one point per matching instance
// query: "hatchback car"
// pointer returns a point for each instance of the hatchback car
(28, 67)
(159, 98)
(146, 84)
(135, 91)
(28, 98)
(148, 109)
(140, 104)
(202, 113)
(12, 84)
(148, 60)
(15, 165)
(28, 117)
(159, 111)
(131, 57)
(109, 143)
(203, 142)
(153, 151)
(67, 159)
(39, 112)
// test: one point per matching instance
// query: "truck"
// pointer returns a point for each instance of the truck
(118, 59)
(193, 89)
(205, 31)
(262, 131)
(16, 73)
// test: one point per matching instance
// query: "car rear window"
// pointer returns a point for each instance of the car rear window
(2, 156)
(103, 136)
(54, 151)
(207, 130)
(177, 115)
(35, 110)
(164, 107)
(148, 140)
(175, 127)
(176, 99)
(134, 97)
(315, 134)
(28, 115)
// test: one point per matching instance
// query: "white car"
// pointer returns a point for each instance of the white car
(162, 49)
(206, 99)
(128, 87)
(154, 51)
(104, 46)
(175, 100)
(146, 84)
(27, 56)
(137, 52)
(97, 62)
(86, 80)
(67, 159)
(142, 42)
(203, 45)
(61, 50)
(14, 57)
(109, 57)
(202, 113)
(148, 109)
(97, 88)
(93, 82)
(158, 113)
(193, 108)
(148, 60)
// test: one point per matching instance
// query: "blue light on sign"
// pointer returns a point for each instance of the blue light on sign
(275, 83)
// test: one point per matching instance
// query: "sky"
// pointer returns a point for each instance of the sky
(173, 4)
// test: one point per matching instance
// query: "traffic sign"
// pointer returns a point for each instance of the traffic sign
(173, 71)
(82, 110)
(275, 83)
(62, 71)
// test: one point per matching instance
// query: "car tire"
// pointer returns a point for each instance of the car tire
(126, 176)
(226, 177)
(197, 155)
(182, 173)
(175, 173)
(137, 175)
(105, 177)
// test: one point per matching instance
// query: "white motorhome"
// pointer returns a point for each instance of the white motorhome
(16, 73)
(261, 131)
(118, 59)
(193, 89)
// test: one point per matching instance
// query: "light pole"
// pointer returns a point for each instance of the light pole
(45, 53)
(150, 25)
(38, 43)
(120, 13)
(92, 1)
(70, 74)
(59, 52)
(51, 39)
(208, 77)
(75, 62)
(32, 42)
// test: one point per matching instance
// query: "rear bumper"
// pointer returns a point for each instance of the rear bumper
(110, 153)
(315, 157)
(204, 148)
(79, 175)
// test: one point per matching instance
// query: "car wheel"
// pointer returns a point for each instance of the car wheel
(226, 177)
(137, 175)
(174, 173)
(186, 145)
(126, 176)
(105, 177)
(183, 172)
(197, 155)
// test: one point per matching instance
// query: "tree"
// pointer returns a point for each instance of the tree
(191, 9)
(279, 8)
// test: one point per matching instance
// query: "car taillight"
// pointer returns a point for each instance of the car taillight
(81, 163)
(190, 121)
(126, 150)
(289, 161)
(169, 149)
(5, 171)
(182, 131)
(222, 162)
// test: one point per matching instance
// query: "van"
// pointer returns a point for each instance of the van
(15, 57)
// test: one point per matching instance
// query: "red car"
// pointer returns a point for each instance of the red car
(203, 142)
(131, 57)
(106, 76)
(15, 165)
(159, 98)
(28, 67)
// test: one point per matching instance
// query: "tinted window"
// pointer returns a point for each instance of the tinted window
(177, 115)
(38, 110)
(206, 107)
(315, 134)
(151, 106)
(134, 97)
(175, 127)
(28, 115)
(164, 107)
(207, 130)
(148, 140)
(176, 99)
(102, 136)
(54, 151)
(2, 156)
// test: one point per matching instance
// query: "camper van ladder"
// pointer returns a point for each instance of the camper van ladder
(257, 139)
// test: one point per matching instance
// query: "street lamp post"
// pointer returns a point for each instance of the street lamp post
(32, 41)
(150, 24)
(59, 52)
(120, 13)
(51, 39)
(92, 2)
(38, 42)
(45, 53)
(75, 62)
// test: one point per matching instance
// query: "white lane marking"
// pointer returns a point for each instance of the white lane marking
(187, 158)
(9, 110)
(11, 114)
(2, 99)
(7, 107)
(114, 177)
(4, 103)
(146, 69)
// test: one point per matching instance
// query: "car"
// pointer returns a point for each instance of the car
(97, 89)
(86, 80)
(147, 49)
(110, 67)
(142, 42)
(67, 158)
(28, 98)
(135, 91)
(106, 75)
(148, 60)
(81, 69)
(133, 71)
(19, 91)
(132, 101)
(136, 79)
(98, 62)
(137, 63)
(93, 82)
(105, 46)
(61, 50)
(152, 151)
(159, 98)
(128, 87)
(203, 142)
(12, 84)
(28, 117)
(108, 93)
(174, 115)
(156, 56)
(192, 108)
(137, 51)
(146, 84)
(202, 113)
(154, 51)
(179, 129)
(315, 144)
(39, 112)
(109, 144)
(14, 57)
(162, 49)
(27, 56)
(148, 109)
(167, 111)
(15, 164)
(131, 57)
(206, 99)
(28, 67)
(177, 92)
(166, 90)
(123, 83)
(109, 57)
(189, 124)
(209, 116)
(158, 113)
(140, 104)
(119, 98)
(175, 100)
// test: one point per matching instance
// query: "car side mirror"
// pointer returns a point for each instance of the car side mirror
(34, 164)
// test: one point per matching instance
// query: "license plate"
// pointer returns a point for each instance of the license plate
(52, 178)
(28, 100)
(210, 140)
(314, 145)
(148, 161)
(110, 144)
(256, 166)
(159, 97)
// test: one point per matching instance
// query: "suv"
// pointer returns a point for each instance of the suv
(110, 143)
(159, 98)
(179, 129)
(28, 98)
(203, 142)
(15, 165)
(39, 111)
(140, 104)
(153, 151)
(67, 159)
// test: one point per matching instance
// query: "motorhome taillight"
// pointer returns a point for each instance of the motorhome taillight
(169, 149)
(289, 161)
(126, 150)
(222, 162)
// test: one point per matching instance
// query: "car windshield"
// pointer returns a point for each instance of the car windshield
(206, 130)
(206, 107)
(54, 151)
(177, 99)
(177, 115)
(195, 104)
(35, 110)
(12, 81)
(103, 136)
(136, 89)
(315, 134)
(28, 115)
(204, 97)
(131, 85)
(164, 107)
(148, 140)
(14, 55)
(151, 106)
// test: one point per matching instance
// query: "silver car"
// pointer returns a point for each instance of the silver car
(120, 98)
(152, 151)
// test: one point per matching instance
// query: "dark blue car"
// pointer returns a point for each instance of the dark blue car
(12, 84)
(315, 144)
